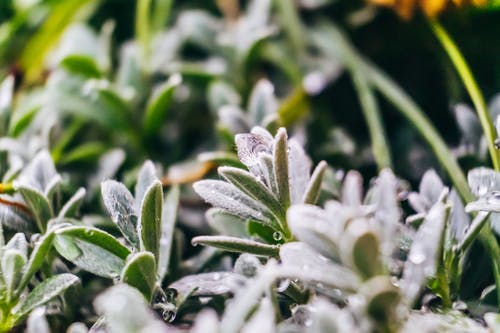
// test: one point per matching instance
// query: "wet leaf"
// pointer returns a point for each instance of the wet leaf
(238, 245)
(140, 272)
(150, 220)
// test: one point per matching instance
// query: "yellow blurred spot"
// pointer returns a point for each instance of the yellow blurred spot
(406, 8)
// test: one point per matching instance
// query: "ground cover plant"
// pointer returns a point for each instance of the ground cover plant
(249, 166)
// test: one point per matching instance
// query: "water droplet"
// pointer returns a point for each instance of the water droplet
(277, 236)
(216, 277)
(169, 315)
(416, 257)
(283, 285)
(301, 315)
(171, 294)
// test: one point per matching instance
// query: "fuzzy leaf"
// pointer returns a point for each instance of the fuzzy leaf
(159, 104)
(483, 180)
(168, 218)
(140, 272)
(262, 102)
(425, 251)
(71, 207)
(92, 250)
(38, 204)
(145, 177)
(120, 204)
(208, 284)
(81, 65)
(223, 195)
(225, 223)
(299, 171)
(246, 183)
(12, 264)
(238, 245)
(314, 187)
(150, 221)
(44, 292)
(280, 162)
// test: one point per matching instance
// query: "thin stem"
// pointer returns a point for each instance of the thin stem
(471, 85)
(380, 146)
(291, 24)
(417, 117)
(161, 13)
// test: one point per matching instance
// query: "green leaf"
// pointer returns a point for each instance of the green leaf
(71, 207)
(38, 204)
(81, 65)
(262, 102)
(168, 218)
(238, 245)
(21, 120)
(145, 177)
(294, 107)
(159, 104)
(382, 298)
(221, 158)
(150, 220)
(314, 187)
(12, 269)
(44, 292)
(262, 231)
(140, 272)
(280, 155)
(86, 152)
(37, 258)
(247, 183)
(92, 250)
(227, 224)
(121, 205)
(365, 254)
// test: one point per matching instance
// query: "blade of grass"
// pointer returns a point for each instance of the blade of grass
(471, 86)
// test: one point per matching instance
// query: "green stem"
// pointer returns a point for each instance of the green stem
(471, 85)
(380, 146)
(161, 14)
(292, 25)
(417, 117)
(143, 29)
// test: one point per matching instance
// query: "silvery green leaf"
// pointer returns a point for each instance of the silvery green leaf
(12, 264)
(223, 195)
(262, 101)
(493, 321)
(71, 207)
(255, 189)
(149, 227)
(221, 158)
(140, 272)
(483, 180)
(209, 284)
(238, 245)
(314, 268)
(92, 250)
(145, 177)
(126, 311)
(6, 94)
(159, 104)
(384, 195)
(225, 223)
(299, 171)
(77, 328)
(44, 292)
(38, 204)
(430, 188)
(459, 219)
(233, 118)
(450, 322)
(250, 146)
(221, 93)
(310, 224)
(168, 219)
(121, 205)
(352, 189)
(37, 258)
(468, 124)
(495, 222)
(383, 298)
(199, 27)
(206, 322)
(19, 243)
(360, 245)
(39, 172)
(266, 165)
(108, 165)
(37, 323)
(426, 249)
(280, 162)
(328, 317)
(247, 265)
(263, 319)
(490, 202)
(313, 190)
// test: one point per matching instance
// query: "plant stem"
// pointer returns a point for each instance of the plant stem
(471, 85)
(143, 29)
(380, 146)
(417, 117)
